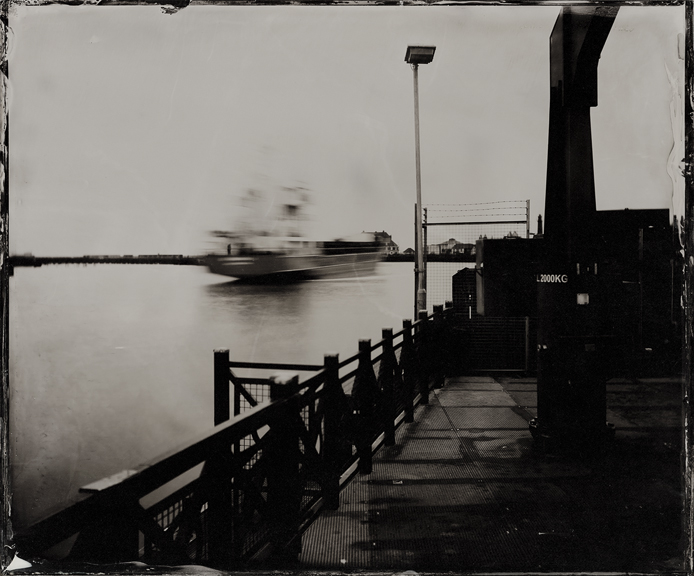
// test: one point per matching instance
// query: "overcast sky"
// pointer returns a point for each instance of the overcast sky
(135, 132)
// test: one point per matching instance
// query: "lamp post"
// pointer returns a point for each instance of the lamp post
(415, 56)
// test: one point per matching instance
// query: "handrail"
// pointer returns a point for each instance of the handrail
(349, 360)
(275, 366)
(289, 452)
(150, 475)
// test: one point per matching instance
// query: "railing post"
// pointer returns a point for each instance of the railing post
(333, 449)
(284, 484)
(407, 362)
(221, 386)
(423, 352)
(448, 338)
(366, 400)
(386, 380)
(438, 345)
(220, 511)
(112, 538)
(527, 344)
(236, 493)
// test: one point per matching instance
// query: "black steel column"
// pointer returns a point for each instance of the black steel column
(573, 290)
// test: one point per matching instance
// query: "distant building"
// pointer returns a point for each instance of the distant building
(452, 247)
(409, 252)
(465, 249)
(387, 241)
(443, 247)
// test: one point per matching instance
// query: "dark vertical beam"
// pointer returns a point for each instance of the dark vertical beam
(220, 509)
(333, 454)
(425, 240)
(437, 349)
(527, 344)
(284, 488)
(575, 46)
(423, 356)
(386, 377)
(407, 362)
(573, 341)
(366, 398)
(221, 386)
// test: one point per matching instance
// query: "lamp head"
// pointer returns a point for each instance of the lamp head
(420, 54)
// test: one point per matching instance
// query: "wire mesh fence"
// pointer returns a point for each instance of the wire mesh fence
(451, 232)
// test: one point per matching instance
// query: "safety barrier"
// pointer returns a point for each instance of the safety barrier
(245, 491)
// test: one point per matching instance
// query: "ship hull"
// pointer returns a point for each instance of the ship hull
(270, 267)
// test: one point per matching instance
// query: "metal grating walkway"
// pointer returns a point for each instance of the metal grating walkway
(463, 489)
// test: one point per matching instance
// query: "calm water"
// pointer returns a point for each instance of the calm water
(112, 365)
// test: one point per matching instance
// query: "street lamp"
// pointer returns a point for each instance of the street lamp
(415, 56)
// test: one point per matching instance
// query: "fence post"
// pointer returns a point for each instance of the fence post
(236, 449)
(386, 380)
(423, 356)
(224, 498)
(448, 338)
(220, 512)
(527, 344)
(438, 346)
(221, 386)
(284, 484)
(112, 538)
(221, 503)
(333, 452)
(367, 401)
(407, 362)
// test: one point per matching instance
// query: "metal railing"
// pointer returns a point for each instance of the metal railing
(246, 490)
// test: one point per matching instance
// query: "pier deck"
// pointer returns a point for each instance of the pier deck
(464, 489)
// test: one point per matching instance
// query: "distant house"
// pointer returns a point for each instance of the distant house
(409, 252)
(443, 247)
(464, 248)
(387, 241)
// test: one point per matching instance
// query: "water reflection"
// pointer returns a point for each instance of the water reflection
(234, 299)
(301, 322)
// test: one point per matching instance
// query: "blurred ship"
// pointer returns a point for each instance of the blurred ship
(270, 245)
